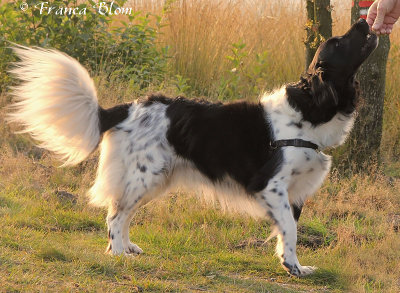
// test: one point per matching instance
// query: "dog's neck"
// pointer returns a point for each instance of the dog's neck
(289, 122)
(319, 106)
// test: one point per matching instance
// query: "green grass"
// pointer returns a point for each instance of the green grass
(48, 243)
(39, 252)
(34, 258)
(53, 243)
(349, 229)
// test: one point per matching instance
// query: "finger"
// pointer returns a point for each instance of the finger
(384, 31)
(372, 14)
(370, 19)
(388, 28)
(380, 16)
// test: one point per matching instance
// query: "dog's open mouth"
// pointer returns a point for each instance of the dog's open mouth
(371, 36)
(370, 44)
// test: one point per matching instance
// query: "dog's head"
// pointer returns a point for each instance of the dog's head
(338, 59)
(329, 79)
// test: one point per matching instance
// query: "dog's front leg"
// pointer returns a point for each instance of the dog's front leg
(275, 200)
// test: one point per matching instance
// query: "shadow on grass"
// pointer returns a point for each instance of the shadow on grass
(323, 277)
(52, 254)
(255, 285)
(106, 269)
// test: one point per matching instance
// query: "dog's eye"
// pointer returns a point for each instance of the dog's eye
(337, 44)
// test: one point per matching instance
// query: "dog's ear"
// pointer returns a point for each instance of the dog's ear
(352, 94)
(322, 91)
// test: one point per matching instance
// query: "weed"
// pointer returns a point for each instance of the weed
(127, 50)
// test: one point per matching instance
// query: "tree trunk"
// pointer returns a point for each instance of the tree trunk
(364, 142)
(318, 26)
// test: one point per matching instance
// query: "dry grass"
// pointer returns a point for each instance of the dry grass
(359, 210)
(363, 215)
(391, 122)
(200, 34)
(350, 229)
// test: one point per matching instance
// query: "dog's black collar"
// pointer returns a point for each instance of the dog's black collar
(294, 142)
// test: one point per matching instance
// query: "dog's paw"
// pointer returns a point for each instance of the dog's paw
(298, 270)
(307, 270)
(113, 250)
(133, 249)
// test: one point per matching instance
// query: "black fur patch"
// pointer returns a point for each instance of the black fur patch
(324, 90)
(301, 98)
(297, 211)
(112, 116)
(297, 124)
(142, 168)
(145, 119)
(223, 140)
(157, 98)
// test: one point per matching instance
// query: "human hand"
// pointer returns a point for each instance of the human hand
(382, 15)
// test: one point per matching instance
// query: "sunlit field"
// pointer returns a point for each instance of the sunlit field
(52, 240)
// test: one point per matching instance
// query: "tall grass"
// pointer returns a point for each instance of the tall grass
(200, 35)
(350, 229)
(391, 121)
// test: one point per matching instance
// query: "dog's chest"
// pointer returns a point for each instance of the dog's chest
(285, 126)
(303, 171)
(329, 134)
(287, 123)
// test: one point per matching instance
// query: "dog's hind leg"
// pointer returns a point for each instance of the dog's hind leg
(143, 182)
(296, 209)
(118, 220)
(157, 189)
(129, 247)
(274, 198)
(116, 217)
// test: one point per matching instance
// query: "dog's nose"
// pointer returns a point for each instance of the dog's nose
(362, 21)
(362, 26)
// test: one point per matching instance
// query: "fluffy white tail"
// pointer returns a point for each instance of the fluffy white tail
(56, 103)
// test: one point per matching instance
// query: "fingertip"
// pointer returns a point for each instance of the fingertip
(376, 27)
(370, 21)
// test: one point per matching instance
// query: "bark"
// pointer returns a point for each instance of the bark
(318, 26)
(364, 142)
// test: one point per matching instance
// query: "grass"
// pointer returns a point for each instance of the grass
(201, 35)
(350, 229)
(51, 242)
(48, 244)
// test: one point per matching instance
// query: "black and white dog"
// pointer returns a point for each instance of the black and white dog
(264, 159)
